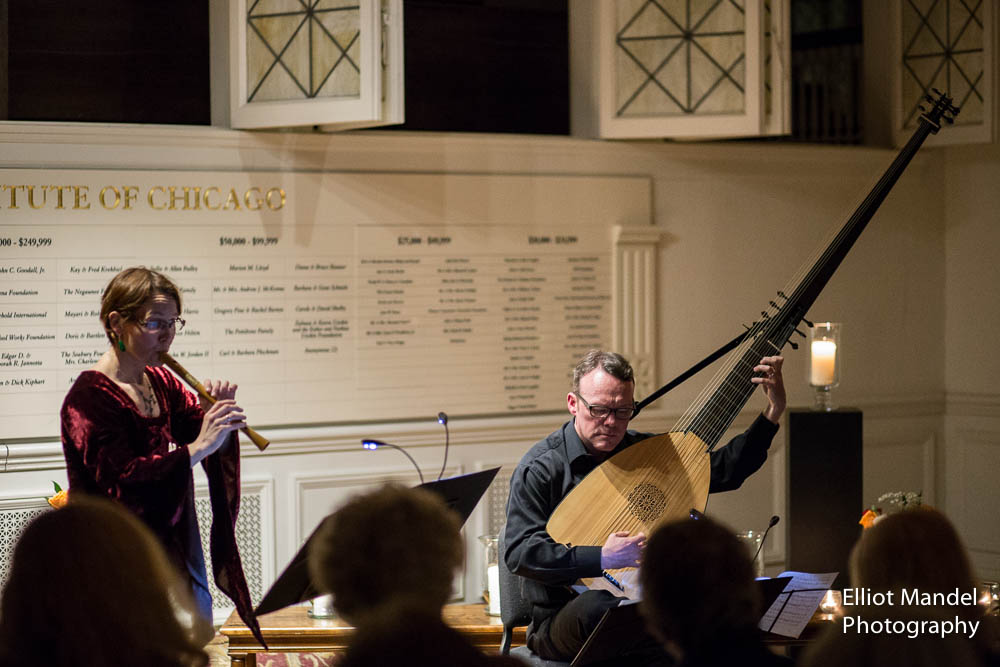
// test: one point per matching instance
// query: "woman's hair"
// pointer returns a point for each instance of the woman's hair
(90, 585)
(837, 647)
(130, 289)
(916, 548)
(393, 545)
(698, 588)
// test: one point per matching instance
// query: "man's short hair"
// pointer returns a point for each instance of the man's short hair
(611, 363)
(392, 545)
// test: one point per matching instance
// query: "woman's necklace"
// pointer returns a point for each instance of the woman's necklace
(148, 398)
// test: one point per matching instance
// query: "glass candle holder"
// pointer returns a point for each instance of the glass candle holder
(824, 362)
(989, 597)
(491, 574)
(752, 539)
(322, 607)
(832, 603)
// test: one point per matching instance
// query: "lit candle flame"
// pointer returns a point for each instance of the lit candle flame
(830, 603)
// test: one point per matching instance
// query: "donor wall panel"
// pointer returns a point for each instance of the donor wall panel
(328, 297)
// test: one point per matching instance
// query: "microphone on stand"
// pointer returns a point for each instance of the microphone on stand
(443, 420)
(770, 524)
(368, 443)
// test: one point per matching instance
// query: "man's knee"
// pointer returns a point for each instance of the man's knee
(589, 607)
(569, 629)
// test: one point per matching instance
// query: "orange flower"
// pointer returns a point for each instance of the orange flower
(867, 519)
(60, 499)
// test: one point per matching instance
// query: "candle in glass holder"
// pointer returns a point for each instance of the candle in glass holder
(831, 602)
(322, 607)
(823, 370)
(493, 586)
(824, 363)
(989, 597)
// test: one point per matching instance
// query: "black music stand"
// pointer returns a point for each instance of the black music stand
(461, 493)
(771, 588)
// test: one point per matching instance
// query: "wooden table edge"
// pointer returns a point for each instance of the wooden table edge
(308, 637)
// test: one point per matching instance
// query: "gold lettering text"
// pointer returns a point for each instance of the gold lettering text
(13, 194)
(103, 194)
(59, 194)
(80, 197)
(31, 196)
(174, 198)
(233, 199)
(254, 203)
(281, 199)
(130, 192)
(149, 197)
(208, 204)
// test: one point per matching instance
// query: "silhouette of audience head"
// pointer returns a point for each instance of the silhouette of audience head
(90, 585)
(836, 648)
(698, 590)
(920, 550)
(916, 548)
(393, 545)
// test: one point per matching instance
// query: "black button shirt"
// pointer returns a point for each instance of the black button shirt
(551, 469)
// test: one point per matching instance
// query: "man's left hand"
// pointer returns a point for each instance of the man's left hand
(773, 385)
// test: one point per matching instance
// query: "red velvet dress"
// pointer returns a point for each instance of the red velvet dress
(112, 450)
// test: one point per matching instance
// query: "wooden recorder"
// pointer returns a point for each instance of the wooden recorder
(171, 363)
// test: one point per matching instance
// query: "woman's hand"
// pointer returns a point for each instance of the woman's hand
(221, 419)
(219, 390)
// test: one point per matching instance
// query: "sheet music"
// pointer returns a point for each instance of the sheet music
(792, 610)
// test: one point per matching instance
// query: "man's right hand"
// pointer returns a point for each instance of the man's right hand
(620, 550)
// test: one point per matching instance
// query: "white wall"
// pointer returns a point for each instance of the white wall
(971, 455)
(916, 297)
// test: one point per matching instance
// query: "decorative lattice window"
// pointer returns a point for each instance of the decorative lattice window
(947, 45)
(13, 521)
(690, 69)
(335, 63)
(670, 60)
(301, 50)
(496, 501)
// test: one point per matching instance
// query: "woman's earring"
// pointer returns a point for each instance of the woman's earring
(121, 345)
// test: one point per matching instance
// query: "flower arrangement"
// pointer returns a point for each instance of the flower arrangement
(60, 498)
(890, 503)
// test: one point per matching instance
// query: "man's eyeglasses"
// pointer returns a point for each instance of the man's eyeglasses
(602, 411)
(155, 324)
